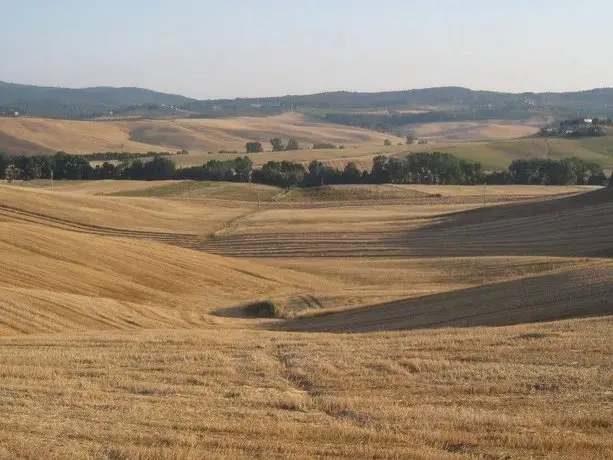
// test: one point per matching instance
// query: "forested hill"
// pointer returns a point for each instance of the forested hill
(81, 103)
(380, 110)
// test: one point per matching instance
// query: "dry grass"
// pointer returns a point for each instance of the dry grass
(115, 347)
(42, 135)
(520, 392)
(37, 135)
(72, 210)
(472, 131)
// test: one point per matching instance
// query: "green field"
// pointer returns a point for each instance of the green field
(207, 189)
(500, 154)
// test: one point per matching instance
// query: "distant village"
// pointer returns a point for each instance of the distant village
(579, 127)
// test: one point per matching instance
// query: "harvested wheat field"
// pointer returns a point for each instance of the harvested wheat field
(473, 130)
(40, 135)
(200, 320)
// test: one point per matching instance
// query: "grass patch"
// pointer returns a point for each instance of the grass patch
(361, 192)
(499, 154)
(207, 190)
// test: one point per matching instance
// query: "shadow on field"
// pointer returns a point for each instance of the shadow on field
(548, 205)
(574, 293)
(574, 226)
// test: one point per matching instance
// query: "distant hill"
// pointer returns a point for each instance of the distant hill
(384, 111)
(82, 103)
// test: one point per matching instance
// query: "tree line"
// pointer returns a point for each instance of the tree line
(415, 168)
(121, 156)
(292, 144)
(578, 127)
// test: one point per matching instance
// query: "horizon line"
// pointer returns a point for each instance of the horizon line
(307, 94)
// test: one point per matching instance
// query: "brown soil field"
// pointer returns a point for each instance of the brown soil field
(190, 320)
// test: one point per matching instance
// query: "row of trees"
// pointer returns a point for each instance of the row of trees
(568, 171)
(578, 127)
(73, 167)
(292, 144)
(277, 145)
(122, 156)
(415, 168)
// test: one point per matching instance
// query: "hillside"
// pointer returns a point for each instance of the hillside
(135, 327)
(38, 135)
(499, 154)
(398, 107)
(80, 103)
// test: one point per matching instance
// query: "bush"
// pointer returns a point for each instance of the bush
(292, 144)
(263, 309)
(324, 145)
(277, 144)
(254, 147)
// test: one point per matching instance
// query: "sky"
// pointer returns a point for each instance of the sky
(249, 48)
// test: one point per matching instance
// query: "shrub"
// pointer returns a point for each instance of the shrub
(324, 145)
(263, 309)
(254, 147)
(292, 144)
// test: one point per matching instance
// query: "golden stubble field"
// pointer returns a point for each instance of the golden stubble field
(200, 136)
(412, 322)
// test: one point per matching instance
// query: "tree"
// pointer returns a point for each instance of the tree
(351, 174)
(395, 168)
(107, 171)
(12, 173)
(242, 168)
(387, 142)
(523, 171)
(292, 144)
(277, 144)
(315, 175)
(282, 174)
(410, 139)
(4, 162)
(378, 173)
(254, 147)
(159, 169)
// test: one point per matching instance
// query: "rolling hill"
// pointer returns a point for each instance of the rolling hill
(38, 135)
(425, 105)
(406, 319)
(79, 103)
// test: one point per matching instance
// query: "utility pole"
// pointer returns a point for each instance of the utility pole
(484, 191)
(52, 180)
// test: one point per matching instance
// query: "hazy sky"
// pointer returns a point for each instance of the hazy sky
(235, 48)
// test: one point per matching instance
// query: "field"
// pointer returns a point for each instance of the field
(499, 154)
(494, 143)
(200, 136)
(472, 131)
(189, 319)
